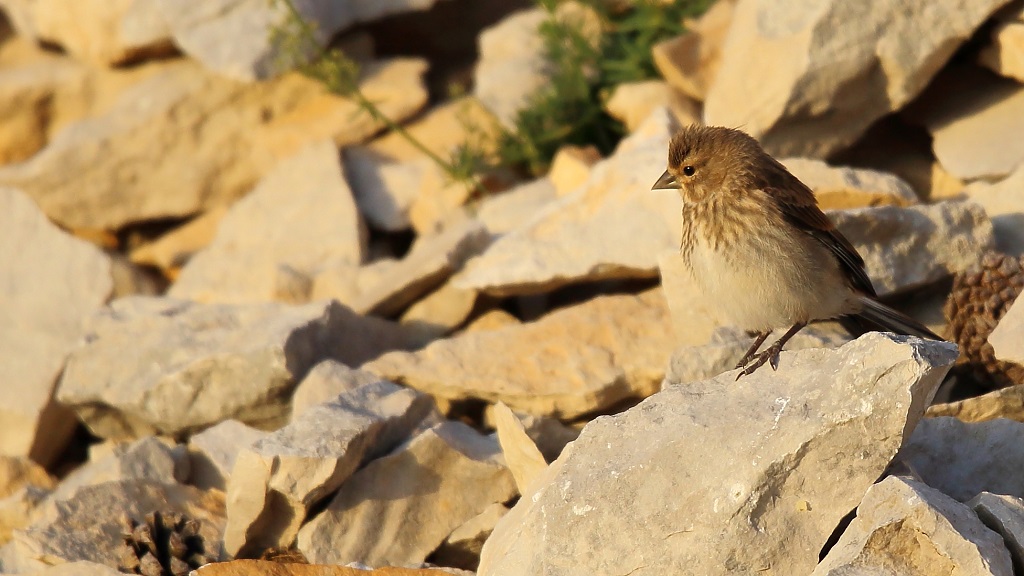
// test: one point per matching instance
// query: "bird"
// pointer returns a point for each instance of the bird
(760, 248)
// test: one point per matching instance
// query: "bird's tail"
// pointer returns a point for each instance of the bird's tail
(878, 316)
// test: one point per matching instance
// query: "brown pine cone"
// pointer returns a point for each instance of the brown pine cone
(162, 545)
(979, 299)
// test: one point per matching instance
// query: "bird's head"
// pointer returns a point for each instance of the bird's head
(703, 160)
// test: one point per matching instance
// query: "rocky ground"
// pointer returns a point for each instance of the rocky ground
(243, 326)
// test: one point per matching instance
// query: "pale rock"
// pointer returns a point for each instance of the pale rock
(233, 37)
(649, 490)
(213, 451)
(1003, 201)
(462, 547)
(324, 382)
(514, 208)
(147, 139)
(974, 121)
(829, 83)
(385, 290)
(1003, 403)
(1007, 339)
(131, 280)
(581, 359)
(439, 312)
(148, 459)
(905, 527)
(838, 187)
(385, 190)
(88, 527)
(492, 320)
(159, 365)
(909, 247)
(633, 102)
(101, 32)
(399, 508)
(173, 250)
(571, 166)
(273, 568)
(299, 216)
(16, 472)
(549, 434)
(689, 62)
(80, 568)
(302, 463)
(1004, 515)
(1005, 55)
(613, 226)
(23, 486)
(962, 459)
(28, 88)
(442, 130)
(18, 510)
(50, 283)
(441, 203)
(522, 456)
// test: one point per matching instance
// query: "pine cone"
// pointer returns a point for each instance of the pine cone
(979, 299)
(163, 545)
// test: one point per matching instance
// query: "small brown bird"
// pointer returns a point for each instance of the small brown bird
(759, 246)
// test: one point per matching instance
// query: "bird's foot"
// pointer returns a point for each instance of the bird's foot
(769, 356)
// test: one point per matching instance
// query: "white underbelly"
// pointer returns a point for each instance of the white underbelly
(772, 283)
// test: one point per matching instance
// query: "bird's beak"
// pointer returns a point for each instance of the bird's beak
(666, 182)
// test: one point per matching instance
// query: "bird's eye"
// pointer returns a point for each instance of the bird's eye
(689, 170)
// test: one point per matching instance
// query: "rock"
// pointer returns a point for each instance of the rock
(633, 102)
(973, 122)
(1003, 403)
(267, 568)
(724, 476)
(159, 365)
(442, 130)
(905, 527)
(689, 62)
(845, 187)
(522, 456)
(16, 472)
(97, 31)
(613, 226)
(147, 141)
(213, 451)
(50, 283)
(463, 545)
(439, 312)
(399, 508)
(582, 359)
(88, 526)
(830, 83)
(172, 250)
(1008, 337)
(907, 248)
(964, 459)
(514, 208)
(301, 215)
(492, 320)
(385, 290)
(302, 463)
(571, 166)
(23, 486)
(385, 189)
(325, 382)
(81, 568)
(233, 37)
(148, 459)
(1005, 55)
(1003, 201)
(1004, 515)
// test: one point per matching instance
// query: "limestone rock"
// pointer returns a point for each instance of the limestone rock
(80, 568)
(964, 459)
(148, 459)
(1005, 515)
(1005, 55)
(689, 62)
(571, 165)
(441, 129)
(905, 527)
(233, 37)
(88, 527)
(650, 489)
(50, 283)
(301, 215)
(399, 508)
(974, 126)
(514, 208)
(173, 250)
(439, 312)
(613, 226)
(385, 189)
(462, 547)
(1008, 337)
(582, 358)
(1003, 403)
(213, 451)
(844, 187)
(267, 568)
(18, 472)
(162, 365)
(1003, 201)
(905, 248)
(633, 102)
(101, 32)
(325, 382)
(828, 82)
(522, 456)
(302, 463)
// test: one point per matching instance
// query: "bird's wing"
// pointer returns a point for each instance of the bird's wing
(800, 208)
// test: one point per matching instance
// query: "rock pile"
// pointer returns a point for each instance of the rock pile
(228, 300)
